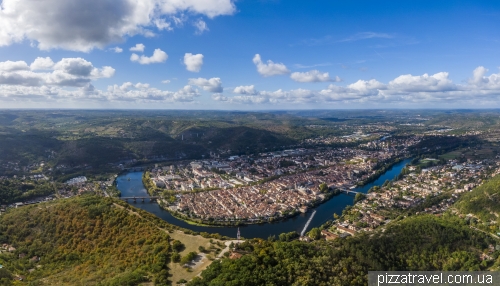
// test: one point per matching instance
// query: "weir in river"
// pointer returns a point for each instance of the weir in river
(307, 224)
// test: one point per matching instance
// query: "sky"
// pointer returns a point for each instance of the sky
(249, 54)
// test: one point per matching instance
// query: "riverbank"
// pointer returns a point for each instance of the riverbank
(153, 190)
(324, 210)
(181, 217)
(218, 223)
(381, 171)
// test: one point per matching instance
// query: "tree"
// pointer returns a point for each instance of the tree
(359, 197)
(176, 257)
(323, 188)
(177, 245)
(315, 233)
(189, 257)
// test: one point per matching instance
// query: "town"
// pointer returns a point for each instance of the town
(394, 199)
(274, 185)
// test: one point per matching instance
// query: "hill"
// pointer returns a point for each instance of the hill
(82, 241)
(483, 203)
(416, 243)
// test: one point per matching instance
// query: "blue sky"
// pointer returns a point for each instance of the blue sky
(224, 54)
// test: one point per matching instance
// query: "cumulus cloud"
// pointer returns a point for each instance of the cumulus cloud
(201, 26)
(193, 62)
(137, 48)
(74, 72)
(84, 25)
(162, 24)
(479, 79)
(404, 89)
(22, 78)
(165, 81)
(75, 66)
(42, 64)
(270, 68)
(140, 85)
(211, 85)
(117, 50)
(10, 66)
(219, 97)
(313, 76)
(249, 95)
(246, 89)
(425, 82)
(158, 56)
(126, 92)
(143, 93)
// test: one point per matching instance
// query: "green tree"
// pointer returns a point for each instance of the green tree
(323, 188)
(177, 245)
(176, 257)
(359, 197)
(315, 233)
(188, 257)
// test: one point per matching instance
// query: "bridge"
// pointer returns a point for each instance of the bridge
(135, 169)
(151, 199)
(347, 191)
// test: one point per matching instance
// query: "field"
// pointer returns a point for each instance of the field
(191, 243)
(451, 155)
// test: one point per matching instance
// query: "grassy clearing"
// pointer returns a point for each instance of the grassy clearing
(451, 155)
(191, 243)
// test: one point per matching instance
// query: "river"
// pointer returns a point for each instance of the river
(130, 185)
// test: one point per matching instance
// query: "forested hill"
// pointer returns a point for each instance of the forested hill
(483, 203)
(82, 241)
(416, 243)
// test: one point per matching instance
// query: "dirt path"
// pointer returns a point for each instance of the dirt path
(227, 243)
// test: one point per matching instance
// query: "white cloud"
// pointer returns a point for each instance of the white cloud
(269, 69)
(143, 93)
(71, 79)
(162, 24)
(117, 50)
(246, 89)
(105, 72)
(219, 97)
(211, 85)
(486, 82)
(193, 62)
(42, 64)
(137, 48)
(209, 8)
(367, 35)
(436, 82)
(401, 91)
(74, 66)
(73, 72)
(126, 86)
(85, 25)
(365, 86)
(10, 66)
(158, 56)
(23, 78)
(142, 85)
(201, 27)
(313, 76)
(165, 81)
